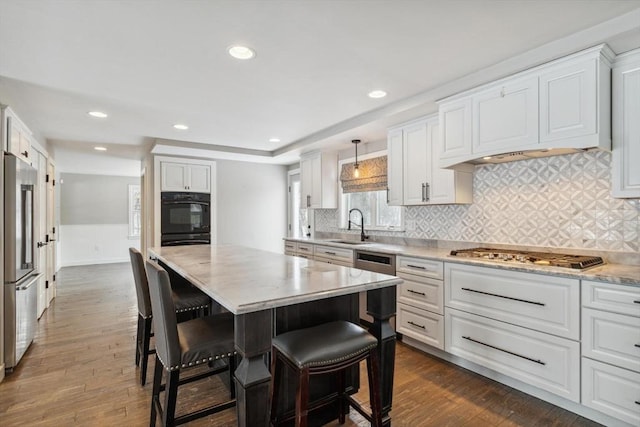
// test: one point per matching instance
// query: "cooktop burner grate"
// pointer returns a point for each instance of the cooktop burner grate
(578, 262)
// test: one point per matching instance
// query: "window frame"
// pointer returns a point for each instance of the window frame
(342, 206)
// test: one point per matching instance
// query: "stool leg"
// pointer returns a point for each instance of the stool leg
(275, 384)
(146, 338)
(155, 394)
(373, 372)
(171, 390)
(342, 405)
(302, 398)
(138, 339)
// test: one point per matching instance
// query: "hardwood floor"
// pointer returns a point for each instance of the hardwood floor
(80, 371)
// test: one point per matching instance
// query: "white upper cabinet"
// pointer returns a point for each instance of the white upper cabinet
(185, 177)
(505, 116)
(556, 108)
(394, 168)
(626, 126)
(423, 182)
(16, 135)
(455, 128)
(319, 181)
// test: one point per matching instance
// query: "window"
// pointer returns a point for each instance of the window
(373, 204)
(135, 224)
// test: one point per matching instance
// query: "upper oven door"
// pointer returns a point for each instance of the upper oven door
(185, 214)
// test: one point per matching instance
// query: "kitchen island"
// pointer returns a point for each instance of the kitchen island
(271, 293)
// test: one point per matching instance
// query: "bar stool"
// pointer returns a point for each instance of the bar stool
(186, 301)
(329, 347)
(182, 346)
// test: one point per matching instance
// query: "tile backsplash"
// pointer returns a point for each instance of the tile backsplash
(562, 201)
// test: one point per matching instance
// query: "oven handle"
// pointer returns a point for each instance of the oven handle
(186, 202)
(188, 242)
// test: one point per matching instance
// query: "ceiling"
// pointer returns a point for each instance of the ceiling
(152, 64)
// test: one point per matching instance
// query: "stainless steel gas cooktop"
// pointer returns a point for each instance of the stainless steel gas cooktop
(578, 262)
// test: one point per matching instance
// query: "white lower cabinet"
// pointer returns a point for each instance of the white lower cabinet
(332, 255)
(542, 360)
(420, 325)
(611, 390)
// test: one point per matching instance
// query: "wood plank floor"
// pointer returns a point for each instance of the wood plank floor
(80, 371)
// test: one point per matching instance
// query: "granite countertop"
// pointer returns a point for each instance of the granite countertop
(624, 274)
(245, 280)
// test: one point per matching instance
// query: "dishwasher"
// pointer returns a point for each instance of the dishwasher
(378, 263)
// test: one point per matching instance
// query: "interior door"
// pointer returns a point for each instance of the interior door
(40, 163)
(51, 231)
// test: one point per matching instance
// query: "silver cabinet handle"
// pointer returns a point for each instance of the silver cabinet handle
(416, 292)
(387, 195)
(329, 253)
(308, 200)
(423, 192)
(538, 361)
(416, 266)
(427, 188)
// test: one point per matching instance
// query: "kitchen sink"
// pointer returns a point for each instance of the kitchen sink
(349, 242)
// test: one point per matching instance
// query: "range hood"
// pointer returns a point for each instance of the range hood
(525, 155)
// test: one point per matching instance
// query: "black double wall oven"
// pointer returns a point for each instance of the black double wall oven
(185, 218)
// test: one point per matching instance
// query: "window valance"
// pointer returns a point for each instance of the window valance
(373, 175)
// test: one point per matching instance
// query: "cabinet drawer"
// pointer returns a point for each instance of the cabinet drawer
(611, 390)
(421, 292)
(612, 338)
(421, 325)
(421, 267)
(542, 360)
(305, 249)
(290, 247)
(334, 261)
(544, 303)
(610, 297)
(338, 254)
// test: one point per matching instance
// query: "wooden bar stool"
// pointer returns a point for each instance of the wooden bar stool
(182, 346)
(186, 300)
(330, 347)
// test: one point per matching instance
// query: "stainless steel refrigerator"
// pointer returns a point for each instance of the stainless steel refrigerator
(20, 276)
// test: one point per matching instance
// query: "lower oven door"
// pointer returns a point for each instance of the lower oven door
(185, 239)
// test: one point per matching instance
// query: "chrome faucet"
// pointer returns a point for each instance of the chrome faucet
(363, 236)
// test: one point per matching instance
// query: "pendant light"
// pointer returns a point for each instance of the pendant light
(356, 172)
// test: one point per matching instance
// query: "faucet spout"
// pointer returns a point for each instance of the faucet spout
(363, 235)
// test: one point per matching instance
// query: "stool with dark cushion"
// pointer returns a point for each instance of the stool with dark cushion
(186, 299)
(329, 347)
(182, 346)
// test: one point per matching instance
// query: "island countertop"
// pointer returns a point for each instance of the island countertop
(245, 280)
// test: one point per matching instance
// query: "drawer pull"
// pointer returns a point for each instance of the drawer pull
(416, 266)
(636, 301)
(329, 253)
(538, 361)
(505, 297)
(416, 325)
(416, 292)
(637, 345)
(637, 402)
(304, 249)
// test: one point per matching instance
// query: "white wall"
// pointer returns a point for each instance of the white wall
(252, 204)
(83, 244)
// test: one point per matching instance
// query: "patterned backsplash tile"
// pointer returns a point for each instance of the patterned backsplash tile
(562, 201)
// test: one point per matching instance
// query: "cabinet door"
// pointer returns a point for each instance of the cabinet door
(306, 178)
(395, 168)
(568, 101)
(415, 164)
(626, 129)
(505, 117)
(199, 178)
(174, 176)
(316, 182)
(442, 183)
(455, 129)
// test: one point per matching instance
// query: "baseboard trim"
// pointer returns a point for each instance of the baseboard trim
(94, 262)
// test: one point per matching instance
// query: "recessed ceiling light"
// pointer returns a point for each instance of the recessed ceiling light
(181, 127)
(377, 94)
(241, 52)
(486, 158)
(98, 114)
(274, 139)
(100, 148)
